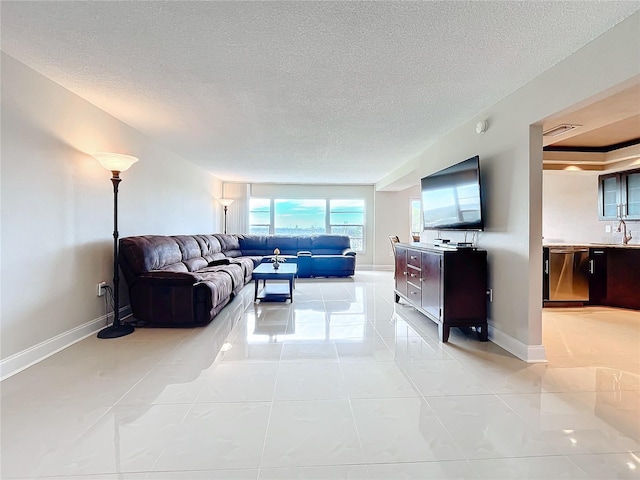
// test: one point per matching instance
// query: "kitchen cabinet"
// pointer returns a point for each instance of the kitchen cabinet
(597, 276)
(619, 195)
(613, 277)
(448, 286)
(623, 278)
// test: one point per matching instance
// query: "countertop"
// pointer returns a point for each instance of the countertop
(593, 245)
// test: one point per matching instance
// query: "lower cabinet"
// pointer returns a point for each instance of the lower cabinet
(613, 278)
(623, 278)
(448, 286)
(597, 276)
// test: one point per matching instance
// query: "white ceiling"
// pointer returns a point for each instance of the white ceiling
(298, 92)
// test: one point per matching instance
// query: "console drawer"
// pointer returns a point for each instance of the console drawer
(414, 293)
(413, 258)
(414, 275)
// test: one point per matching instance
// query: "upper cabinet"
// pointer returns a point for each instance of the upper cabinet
(631, 191)
(619, 195)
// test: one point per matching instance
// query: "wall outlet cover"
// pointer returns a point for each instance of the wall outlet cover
(607, 228)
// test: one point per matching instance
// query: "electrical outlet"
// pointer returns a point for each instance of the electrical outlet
(607, 228)
(490, 294)
(101, 288)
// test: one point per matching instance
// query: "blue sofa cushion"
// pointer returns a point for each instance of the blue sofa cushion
(329, 244)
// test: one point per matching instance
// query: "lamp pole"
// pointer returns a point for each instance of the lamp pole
(225, 202)
(117, 163)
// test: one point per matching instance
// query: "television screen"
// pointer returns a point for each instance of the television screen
(452, 197)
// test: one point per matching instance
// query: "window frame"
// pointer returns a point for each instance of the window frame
(327, 217)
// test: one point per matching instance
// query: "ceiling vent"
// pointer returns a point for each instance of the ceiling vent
(559, 130)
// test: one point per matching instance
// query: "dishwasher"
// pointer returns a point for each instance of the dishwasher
(568, 270)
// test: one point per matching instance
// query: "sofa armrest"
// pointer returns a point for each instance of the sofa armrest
(159, 277)
(348, 252)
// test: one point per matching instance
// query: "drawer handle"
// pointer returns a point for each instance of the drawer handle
(413, 258)
(414, 275)
(414, 293)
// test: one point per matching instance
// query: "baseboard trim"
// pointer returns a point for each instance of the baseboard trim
(528, 353)
(35, 354)
(376, 268)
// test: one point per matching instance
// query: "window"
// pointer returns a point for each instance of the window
(416, 216)
(299, 216)
(347, 218)
(260, 216)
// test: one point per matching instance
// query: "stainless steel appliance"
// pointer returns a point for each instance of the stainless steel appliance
(568, 270)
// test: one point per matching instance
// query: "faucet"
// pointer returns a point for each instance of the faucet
(622, 227)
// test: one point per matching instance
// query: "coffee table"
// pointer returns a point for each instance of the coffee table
(274, 291)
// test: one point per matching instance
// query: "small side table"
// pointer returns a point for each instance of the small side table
(275, 291)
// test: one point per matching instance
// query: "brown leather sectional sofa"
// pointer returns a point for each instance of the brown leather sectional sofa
(188, 279)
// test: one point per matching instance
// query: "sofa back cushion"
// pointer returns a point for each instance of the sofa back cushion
(191, 252)
(286, 244)
(229, 243)
(179, 253)
(252, 245)
(329, 244)
(151, 252)
(210, 247)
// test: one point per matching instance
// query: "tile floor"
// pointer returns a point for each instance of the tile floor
(341, 384)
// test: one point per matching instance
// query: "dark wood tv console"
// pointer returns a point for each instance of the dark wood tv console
(447, 285)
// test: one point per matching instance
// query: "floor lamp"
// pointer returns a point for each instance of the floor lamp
(116, 163)
(225, 202)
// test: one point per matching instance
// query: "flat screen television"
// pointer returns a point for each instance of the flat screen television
(452, 198)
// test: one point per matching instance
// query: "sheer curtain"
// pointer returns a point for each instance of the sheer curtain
(238, 212)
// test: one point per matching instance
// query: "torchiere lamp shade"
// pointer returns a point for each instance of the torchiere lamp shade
(116, 162)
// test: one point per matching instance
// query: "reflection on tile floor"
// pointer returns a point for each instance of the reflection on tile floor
(340, 384)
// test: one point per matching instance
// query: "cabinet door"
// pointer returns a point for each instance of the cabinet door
(432, 284)
(623, 277)
(609, 196)
(401, 270)
(597, 276)
(545, 273)
(631, 195)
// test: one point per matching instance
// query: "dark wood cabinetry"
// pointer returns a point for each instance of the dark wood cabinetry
(619, 195)
(401, 270)
(597, 276)
(623, 278)
(613, 278)
(448, 286)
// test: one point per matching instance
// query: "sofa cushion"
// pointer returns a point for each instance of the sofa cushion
(234, 271)
(287, 245)
(151, 252)
(227, 242)
(329, 244)
(191, 252)
(210, 247)
(252, 245)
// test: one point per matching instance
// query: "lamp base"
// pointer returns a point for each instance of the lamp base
(115, 331)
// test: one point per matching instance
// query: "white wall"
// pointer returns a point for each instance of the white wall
(57, 208)
(392, 218)
(570, 210)
(511, 161)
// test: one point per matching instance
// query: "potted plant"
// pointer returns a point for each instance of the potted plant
(276, 259)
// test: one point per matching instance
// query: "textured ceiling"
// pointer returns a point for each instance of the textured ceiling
(301, 92)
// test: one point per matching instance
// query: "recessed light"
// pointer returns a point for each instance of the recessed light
(559, 130)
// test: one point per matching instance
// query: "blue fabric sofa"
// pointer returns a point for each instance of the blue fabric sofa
(188, 279)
